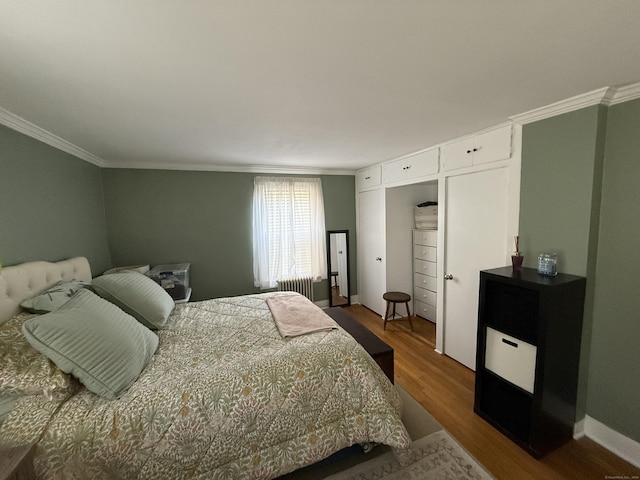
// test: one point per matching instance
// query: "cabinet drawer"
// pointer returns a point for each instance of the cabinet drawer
(425, 281)
(425, 310)
(425, 237)
(511, 359)
(368, 178)
(422, 252)
(425, 296)
(424, 268)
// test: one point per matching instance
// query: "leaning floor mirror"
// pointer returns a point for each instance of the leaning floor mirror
(338, 267)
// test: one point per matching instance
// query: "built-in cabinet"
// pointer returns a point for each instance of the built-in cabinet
(411, 167)
(425, 285)
(386, 196)
(528, 353)
(482, 148)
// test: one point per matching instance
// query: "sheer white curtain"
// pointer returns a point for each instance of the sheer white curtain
(289, 237)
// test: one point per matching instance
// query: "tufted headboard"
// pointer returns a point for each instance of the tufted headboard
(19, 282)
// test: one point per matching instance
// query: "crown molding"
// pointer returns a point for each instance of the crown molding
(266, 169)
(564, 106)
(603, 96)
(21, 125)
(626, 94)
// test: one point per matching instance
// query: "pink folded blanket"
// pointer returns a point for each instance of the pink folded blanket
(296, 315)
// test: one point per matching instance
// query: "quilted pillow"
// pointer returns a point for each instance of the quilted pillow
(24, 370)
(138, 295)
(95, 341)
(54, 297)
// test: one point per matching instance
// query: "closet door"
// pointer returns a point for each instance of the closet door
(476, 239)
(371, 249)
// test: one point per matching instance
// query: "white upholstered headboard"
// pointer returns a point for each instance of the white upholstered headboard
(19, 282)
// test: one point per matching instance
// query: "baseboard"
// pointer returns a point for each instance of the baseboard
(578, 430)
(615, 442)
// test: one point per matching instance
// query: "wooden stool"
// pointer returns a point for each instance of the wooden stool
(334, 278)
(394, 298)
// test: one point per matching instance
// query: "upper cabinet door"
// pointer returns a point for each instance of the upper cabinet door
(483, 148)
(423, 163)
(395, 171)
(414, 166)
(492, 146)
(369, 177)
(458, 154)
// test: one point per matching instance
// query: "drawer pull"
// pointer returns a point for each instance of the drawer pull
(509, 342)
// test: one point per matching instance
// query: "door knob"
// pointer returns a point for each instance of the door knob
(379, 259)
(448, 276)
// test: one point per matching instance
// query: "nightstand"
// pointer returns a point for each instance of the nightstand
(16, 463)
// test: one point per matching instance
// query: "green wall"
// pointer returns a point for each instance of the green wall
(55, 206)
(559, 157)
(203, 218)
(614, 372)
(51, 204)
(571, 199)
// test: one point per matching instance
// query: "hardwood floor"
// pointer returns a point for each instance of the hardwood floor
(445, 388)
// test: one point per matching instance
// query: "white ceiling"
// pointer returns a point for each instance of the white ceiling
(312, 84)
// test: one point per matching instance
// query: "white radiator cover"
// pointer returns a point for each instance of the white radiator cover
(302, 285)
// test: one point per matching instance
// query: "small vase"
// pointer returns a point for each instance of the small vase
(516, 261)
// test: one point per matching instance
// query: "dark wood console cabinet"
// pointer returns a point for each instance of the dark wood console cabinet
(529, 333)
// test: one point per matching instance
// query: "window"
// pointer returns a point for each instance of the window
(289, 238)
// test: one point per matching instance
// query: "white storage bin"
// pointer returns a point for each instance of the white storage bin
(511, 359)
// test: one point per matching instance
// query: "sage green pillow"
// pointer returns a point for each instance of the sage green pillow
(96, 342)
(138, 295)
(54, 297)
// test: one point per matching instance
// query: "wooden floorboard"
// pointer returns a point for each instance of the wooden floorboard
(445, 388)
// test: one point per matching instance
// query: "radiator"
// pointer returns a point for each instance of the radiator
(302, 285)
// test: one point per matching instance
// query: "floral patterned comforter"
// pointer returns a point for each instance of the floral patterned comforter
(224, 397)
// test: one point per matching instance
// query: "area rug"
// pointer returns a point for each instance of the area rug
(436, 456)
(432, 445)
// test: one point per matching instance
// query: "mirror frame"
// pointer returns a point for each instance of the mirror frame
(348, 297)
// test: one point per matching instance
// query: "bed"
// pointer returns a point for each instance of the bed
(221, 395)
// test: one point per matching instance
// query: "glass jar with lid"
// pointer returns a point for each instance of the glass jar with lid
(548, 264)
